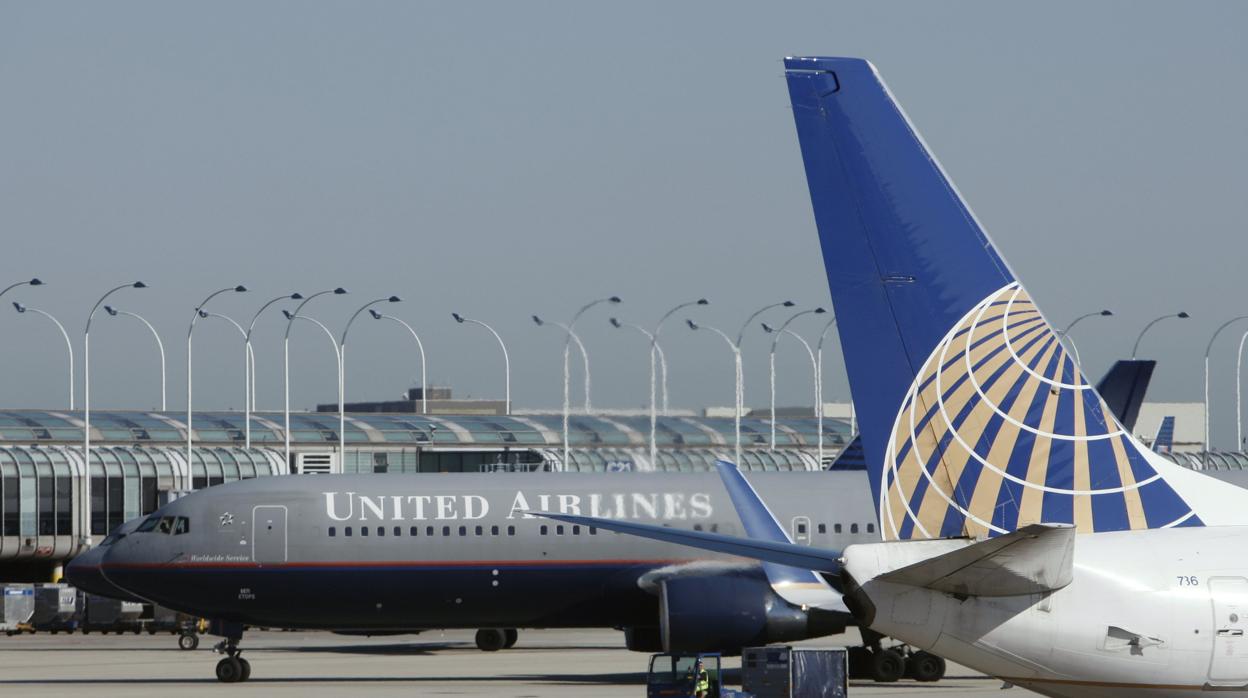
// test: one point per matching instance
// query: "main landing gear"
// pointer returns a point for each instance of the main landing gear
(233, 668)
(495, 639)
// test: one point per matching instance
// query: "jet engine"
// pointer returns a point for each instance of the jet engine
(728, 611)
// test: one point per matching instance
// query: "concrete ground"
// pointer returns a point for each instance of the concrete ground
(556, 663)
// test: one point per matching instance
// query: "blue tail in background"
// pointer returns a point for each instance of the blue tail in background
(974, 419)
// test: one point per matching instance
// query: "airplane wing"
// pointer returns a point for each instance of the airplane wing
(798, 586)
(789, 554)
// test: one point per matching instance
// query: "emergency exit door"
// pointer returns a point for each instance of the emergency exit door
(268, 533)
(1229, 665)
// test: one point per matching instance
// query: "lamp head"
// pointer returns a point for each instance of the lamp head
(296, 296)
(1106, 313)
(340, 291)
(288, 315)
(393, 299)
(36, 282)
(788, 304)
(614, 299)
(537, 321)
(458, 318)
(110, 310)
(138, 284)
(768, 328)
(703, 301)
(19, 307)
(615, 322)
(820, 311)
(1183, 314)
(376, 315)
(203, 313)
(240, 289)
(692, 325)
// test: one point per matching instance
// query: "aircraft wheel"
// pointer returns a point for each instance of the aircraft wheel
(188, 641)
(925, 666)
(491, 639)
(887, 666)
(512, 635)
(229, 670)
(246, 669)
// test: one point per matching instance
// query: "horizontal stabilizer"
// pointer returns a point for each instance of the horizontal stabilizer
(789, 554)
(1032, 560)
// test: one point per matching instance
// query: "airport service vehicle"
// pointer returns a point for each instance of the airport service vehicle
(1027, 535)
(373, 554)
(671, 675)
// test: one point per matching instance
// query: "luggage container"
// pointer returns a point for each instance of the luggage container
(56, 608)
(794, 672)
(19, 606)
(102, 614)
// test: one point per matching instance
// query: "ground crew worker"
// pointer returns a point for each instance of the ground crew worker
(701, 680)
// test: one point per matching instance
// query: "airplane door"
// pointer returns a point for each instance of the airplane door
(801, 530)
(1229, 665)
(268, 533)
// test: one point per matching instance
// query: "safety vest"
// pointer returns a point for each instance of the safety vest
(703, 682)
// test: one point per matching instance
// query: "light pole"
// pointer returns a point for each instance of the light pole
(160, 346)
(1239, 404)
(776, 334)
(570, 336)
(190, 432)
(291, 317)
(248, 366)
(819, 393)
(506, 359)
(85, 489)
(654, 342)
(1208, 349)
(290, 320)
(342, 373)
(250, 405)
(739, 394)
(814, 368)
(1064, 335)
(655, 348)
(1135, 350)
(69, 346)
(420, 346)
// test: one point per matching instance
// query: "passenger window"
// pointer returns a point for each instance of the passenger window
(493, 530)
(697, 527)
(181, 525)
(542, 530)
(480, 530)
(511, 530)
(836, 528)
(428, 530)
(398, 530)
(714, 528)
(576, 530)
(559, 530)
(333, 532)
(823, 528)
(593, 531)
(446, 530)
(363, 530)
(463, 530)
(381, 531)
(346, 532)
(870, 528)
(801, 528)
(853, 528)
(414, 531)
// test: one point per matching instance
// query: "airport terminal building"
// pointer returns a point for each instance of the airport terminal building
(139, 459)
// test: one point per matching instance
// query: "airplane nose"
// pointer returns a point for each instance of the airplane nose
(84, 573)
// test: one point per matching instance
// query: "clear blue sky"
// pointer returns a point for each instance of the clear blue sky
(512, 158)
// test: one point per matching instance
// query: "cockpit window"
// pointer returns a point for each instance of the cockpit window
(110, 539)
(165, 525)
(148, 524)
(181, 525)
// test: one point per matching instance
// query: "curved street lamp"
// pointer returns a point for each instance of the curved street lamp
(248, 367)
(190, 376)
(777, 333)
(160, 346)
(250, 403)
(84, 506)
(1135, 350)
(342, 374)
(571, 336)
(420, 347)
(290, 320)
(739, 395)
(1239, 404)
(506, 359)
(654, 343)
(1208, 349)
(291, 317)
(69, 346)
(655, 349)
(1064, 335)
(819, 389)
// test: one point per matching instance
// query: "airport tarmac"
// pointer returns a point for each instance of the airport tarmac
(557, 663)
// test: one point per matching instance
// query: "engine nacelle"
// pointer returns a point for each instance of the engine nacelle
(726, 612)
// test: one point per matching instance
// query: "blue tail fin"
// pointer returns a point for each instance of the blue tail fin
(974, 419)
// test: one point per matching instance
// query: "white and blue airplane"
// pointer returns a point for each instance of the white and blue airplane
(1026, 533)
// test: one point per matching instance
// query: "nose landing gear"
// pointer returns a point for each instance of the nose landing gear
(232, 668)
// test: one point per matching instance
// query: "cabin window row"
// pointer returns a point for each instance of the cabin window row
(836, 528)
(414, 531)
